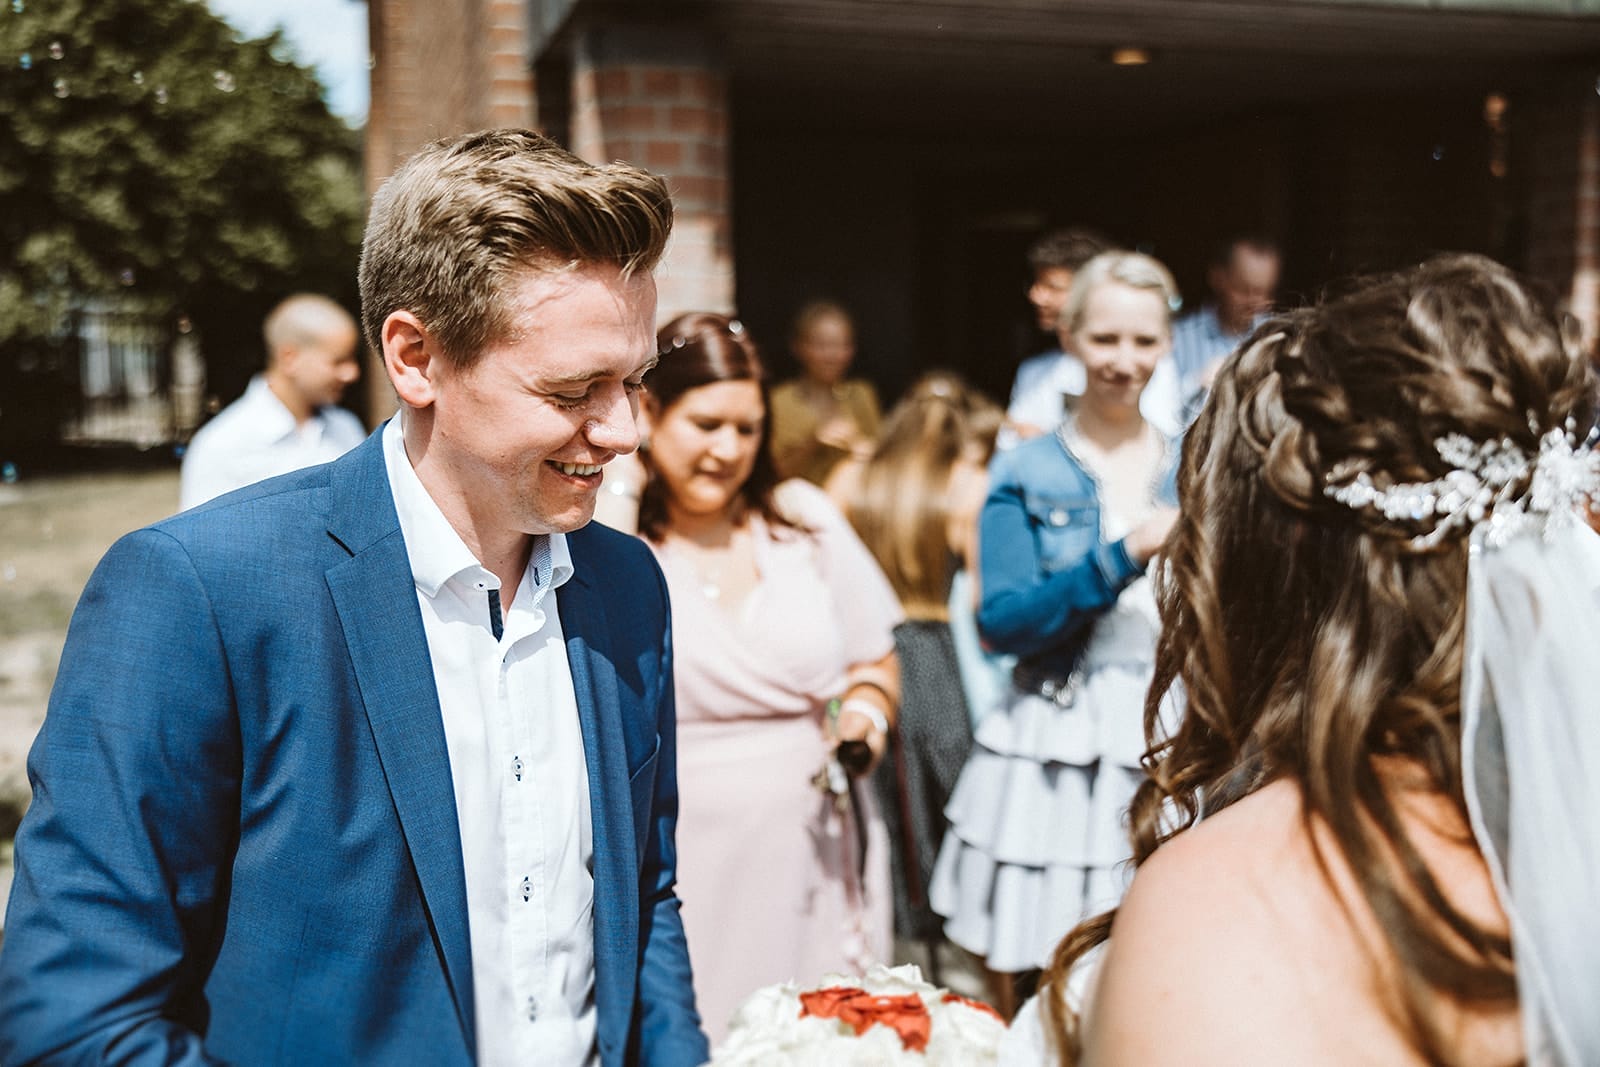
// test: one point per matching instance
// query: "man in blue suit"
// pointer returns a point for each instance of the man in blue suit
(374, 763)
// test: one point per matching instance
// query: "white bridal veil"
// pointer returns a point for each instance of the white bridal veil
(1531, 765)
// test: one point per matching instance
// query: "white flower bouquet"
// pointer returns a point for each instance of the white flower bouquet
(890, 1016)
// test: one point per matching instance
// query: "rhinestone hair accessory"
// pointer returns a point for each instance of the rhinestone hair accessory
(1490, 481)
(735, 329)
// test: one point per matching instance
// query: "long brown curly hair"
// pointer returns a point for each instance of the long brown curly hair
(1310, 638)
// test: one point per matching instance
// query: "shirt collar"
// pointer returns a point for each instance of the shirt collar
(1213, 321)
(434, 549)
(267, 412)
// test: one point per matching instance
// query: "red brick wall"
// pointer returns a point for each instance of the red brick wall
(1586, 225)
(442, 67)
(1562, 152)
(1549, 130)
(657, 99)
(425, 80)
(666, 112)
(508, 97)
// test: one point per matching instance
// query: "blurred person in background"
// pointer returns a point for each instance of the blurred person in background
(915, 504)
(1047, 385)
(1071, 521)
(288, 417)
(1042, 381)
(1388, 763)
(1243, 277)
(985, 675)
(823, 416)
(784, 653)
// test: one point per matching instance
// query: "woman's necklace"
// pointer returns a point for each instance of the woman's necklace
(710, 566)
(710, 584)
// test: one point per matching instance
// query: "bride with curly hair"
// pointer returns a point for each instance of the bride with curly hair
(1372, 836)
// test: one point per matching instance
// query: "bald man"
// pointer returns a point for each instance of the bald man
(287, 418)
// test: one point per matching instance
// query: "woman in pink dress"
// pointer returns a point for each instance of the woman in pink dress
(784, 648)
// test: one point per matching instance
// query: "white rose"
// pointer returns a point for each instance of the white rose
(768, 1008)
(963, 1035)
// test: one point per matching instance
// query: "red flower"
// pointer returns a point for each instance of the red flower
(860, 1010)
(978, 1005)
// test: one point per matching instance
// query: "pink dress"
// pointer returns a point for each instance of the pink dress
(769, 870)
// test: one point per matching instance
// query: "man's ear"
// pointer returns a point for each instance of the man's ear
(411, 357)
(284, 357)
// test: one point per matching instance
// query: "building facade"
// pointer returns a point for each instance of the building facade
(899, 156)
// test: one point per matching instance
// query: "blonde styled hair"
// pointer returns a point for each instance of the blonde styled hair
(1133, 269)
(462, 218)
(901, 504)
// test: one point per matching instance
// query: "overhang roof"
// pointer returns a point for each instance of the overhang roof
(1041, 66)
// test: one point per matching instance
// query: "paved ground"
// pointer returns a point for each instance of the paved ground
(52, 532)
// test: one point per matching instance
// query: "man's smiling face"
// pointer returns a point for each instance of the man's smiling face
(521, 435)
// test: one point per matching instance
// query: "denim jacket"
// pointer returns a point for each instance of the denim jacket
(1047, 571)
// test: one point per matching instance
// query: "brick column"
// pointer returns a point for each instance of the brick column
(440, 68)
(659, 99)
(1585, 293)
(1563, 204)
(508, 94)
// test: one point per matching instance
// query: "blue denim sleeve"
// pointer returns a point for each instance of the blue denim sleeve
(1024, 609)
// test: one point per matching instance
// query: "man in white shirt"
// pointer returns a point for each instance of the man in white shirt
(287, 418)
(1041, 381)
(1243, 278)
(375, 762)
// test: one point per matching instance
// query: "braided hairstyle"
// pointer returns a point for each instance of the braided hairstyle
(1312, 639)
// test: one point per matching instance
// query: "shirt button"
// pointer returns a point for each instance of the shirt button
(533, 1009)
(516, 767)
(527, 888)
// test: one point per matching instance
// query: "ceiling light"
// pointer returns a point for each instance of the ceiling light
(1130, 57)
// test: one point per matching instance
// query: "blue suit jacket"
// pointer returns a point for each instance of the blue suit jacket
(243, 845)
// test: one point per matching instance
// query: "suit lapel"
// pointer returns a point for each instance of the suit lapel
(616, 891)
(376, 599)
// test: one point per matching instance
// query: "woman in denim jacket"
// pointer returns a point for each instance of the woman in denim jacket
(1070, 523)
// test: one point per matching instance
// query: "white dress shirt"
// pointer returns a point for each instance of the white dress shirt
(256, 437)
(521, 785)
(1198, 341)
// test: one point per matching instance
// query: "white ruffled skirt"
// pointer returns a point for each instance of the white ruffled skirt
(1038, 819)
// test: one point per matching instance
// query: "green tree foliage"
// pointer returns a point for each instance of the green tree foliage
(150, 157)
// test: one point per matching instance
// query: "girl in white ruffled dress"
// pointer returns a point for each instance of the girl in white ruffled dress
(1072, 519)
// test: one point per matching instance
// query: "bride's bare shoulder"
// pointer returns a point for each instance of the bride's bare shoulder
(1232, 947)
(1240, 941)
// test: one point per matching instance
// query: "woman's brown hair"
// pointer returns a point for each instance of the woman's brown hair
(1312, 639)
(900, 505)
(700, 348)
